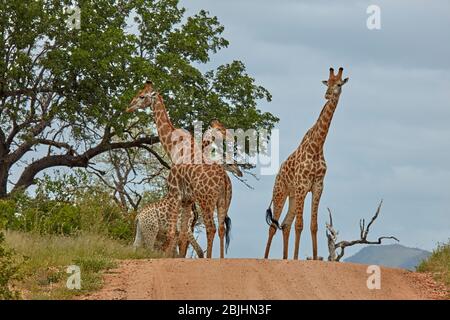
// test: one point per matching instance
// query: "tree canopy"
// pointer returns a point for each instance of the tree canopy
(63, 90)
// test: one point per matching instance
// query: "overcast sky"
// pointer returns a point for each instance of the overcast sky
(390, 137)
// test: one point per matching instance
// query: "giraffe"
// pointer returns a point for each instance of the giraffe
(166, 132)
(210, 186)
(152, 225)
(304, 172)
(230, 164)
(170, 137)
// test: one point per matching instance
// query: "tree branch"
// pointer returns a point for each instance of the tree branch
(332, 237)
(59, 145)
(157, 156)
(27, 91)
(82, 161)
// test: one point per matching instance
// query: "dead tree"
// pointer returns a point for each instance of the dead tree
(364, 232)
(126, 171)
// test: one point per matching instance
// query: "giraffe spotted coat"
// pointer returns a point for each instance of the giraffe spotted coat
(210, 187)
(303, 172)
(152, 225)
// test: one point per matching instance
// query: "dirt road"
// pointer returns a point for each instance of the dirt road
(258, 279)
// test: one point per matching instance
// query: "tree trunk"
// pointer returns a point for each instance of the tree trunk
(4, 171)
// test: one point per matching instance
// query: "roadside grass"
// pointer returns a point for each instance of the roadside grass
(438, 264)
(48, 256)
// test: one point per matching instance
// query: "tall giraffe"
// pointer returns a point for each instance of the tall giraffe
(172, 138)
(216, 186)
(303, 172)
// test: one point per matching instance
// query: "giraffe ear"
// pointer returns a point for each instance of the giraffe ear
(325, 82)
(345, 81)
(148, 84)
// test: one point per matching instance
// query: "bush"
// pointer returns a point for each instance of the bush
(8, 218)
(93, 212)
(9, 271)
(51, 217)
(100, 214)
(438, 264)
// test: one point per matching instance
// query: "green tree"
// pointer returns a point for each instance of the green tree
(63, 90)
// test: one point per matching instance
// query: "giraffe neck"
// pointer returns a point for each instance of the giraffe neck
(164, 126)
(322, 125)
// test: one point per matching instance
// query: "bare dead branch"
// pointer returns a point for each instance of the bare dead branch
(331, 234)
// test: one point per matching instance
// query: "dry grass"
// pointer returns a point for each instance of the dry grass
(47, 258)
(438, 264)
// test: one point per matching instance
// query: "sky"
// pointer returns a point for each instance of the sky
(389, 138)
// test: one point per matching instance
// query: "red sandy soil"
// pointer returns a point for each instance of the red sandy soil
(259, 279)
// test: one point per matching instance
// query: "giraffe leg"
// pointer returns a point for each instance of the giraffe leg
(184, 229)
(286, 233)
(222, 237)
(286, 225)
(138, 238)
(192, 221)
(316, 195)
(222, 211)
(198, 250)
(300, 200)
(172, 217)
(279, 199)
(208, 212)
(149, 239)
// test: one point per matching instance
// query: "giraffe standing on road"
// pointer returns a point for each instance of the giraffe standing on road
(152, 225)
(206, 184)
(303, 172)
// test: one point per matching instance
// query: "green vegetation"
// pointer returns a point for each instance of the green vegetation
(48, 256)
(96, 213)
(438, 264)
(63, 93)
(63, 90)
(9, 271)
(53, 230)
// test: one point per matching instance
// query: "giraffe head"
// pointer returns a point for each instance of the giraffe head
(216, 124)
(232, 167)
(334, 84)
(144, 98)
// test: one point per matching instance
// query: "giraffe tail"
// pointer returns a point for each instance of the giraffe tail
(227, 232)
(269, 217)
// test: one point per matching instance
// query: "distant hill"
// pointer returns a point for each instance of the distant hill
(393, 255)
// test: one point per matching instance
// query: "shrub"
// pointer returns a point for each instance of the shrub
(9, 271)
(93, 211)
(8, 217)
(50, 217)
(438, 264)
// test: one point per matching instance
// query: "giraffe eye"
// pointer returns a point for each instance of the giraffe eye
(141, 97)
